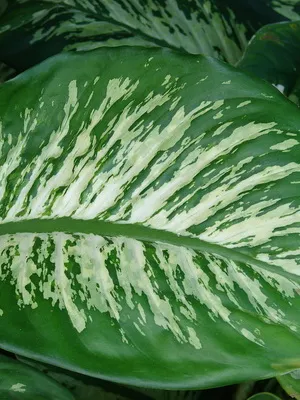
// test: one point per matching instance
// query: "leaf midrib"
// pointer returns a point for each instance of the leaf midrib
(133, 231)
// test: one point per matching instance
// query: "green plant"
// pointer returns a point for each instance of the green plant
(149, 197)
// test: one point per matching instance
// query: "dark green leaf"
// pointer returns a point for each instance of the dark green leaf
(5, 72)
(87, 388)
(274, 55)
(39, 30)
(19, 381)
(264, 396)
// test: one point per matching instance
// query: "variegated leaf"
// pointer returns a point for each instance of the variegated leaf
(150, 219)
(19, 381)
(213, 27)
(290, 9)
(39, 30)
(203, 26)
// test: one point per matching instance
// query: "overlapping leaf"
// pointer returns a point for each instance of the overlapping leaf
(39, 29)
(273, 55)
(264, 396)
(149, 219)
(291, 383)
(19, 381)
(287, 8)
(87, 388)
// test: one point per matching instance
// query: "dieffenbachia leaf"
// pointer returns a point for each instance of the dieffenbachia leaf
(19, 381)
(264, 396)
(217, 28)
(39, 30)
(290, 9)
(149, 233)
(274, 55)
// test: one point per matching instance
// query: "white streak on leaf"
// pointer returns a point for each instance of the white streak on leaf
(285, 145)
(244, 103)
(18, 387)
(193, 338)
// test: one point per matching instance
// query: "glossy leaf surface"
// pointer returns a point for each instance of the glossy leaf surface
(273, 55)
(19, 381)
(149, 219)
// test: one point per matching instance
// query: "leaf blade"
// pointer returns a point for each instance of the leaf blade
(211, 27)
(18, 381)
(152, 299)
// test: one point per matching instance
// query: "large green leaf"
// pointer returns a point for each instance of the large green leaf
(149, 230)
(217, 28)
(19, 381)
